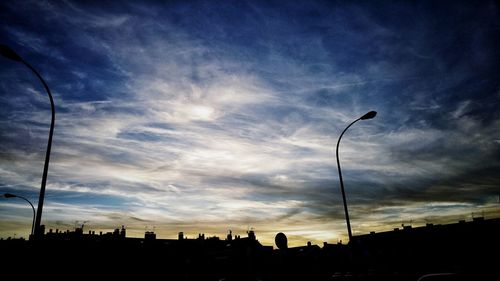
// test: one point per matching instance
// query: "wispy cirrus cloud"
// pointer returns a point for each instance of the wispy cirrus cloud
(193, 118)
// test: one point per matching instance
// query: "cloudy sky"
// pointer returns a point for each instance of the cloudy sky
(205, 116)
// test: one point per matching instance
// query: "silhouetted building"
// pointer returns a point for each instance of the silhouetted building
(455, 247)
(404, 254)
(251, 235)
(149, 235)
(123, 232)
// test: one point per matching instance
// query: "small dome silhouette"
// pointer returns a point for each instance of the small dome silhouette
(281, 241)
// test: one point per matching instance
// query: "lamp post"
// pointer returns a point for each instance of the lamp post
(9, 195)
(368, 115)
(10, 54)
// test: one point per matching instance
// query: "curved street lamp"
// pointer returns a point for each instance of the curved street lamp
(368, 115)
(10, 54)
(9, 195)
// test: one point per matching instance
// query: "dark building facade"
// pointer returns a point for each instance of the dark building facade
(466, 250)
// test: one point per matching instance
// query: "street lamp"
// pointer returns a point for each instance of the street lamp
(10, 54)
(9, 195)
(368, 115)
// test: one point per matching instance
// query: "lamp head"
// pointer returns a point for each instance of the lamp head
(9, 53)
(9, 195)
(369, 115)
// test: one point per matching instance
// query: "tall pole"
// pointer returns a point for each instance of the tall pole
(346, 211)
(9, 53)
(47, 153)
(9, 195)
(368, 115)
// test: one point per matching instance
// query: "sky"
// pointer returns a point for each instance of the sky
(209, 116)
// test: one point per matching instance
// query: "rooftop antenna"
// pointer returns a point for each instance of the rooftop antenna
(84, 222)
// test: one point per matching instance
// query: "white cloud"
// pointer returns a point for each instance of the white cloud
(206, 134)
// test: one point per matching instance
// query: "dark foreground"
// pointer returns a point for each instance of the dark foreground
(462, 251)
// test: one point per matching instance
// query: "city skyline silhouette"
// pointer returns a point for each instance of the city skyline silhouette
(205, 118)
(458, 251)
